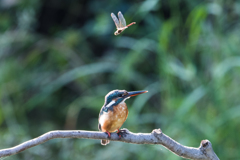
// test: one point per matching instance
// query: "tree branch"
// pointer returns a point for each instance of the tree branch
(203, 152)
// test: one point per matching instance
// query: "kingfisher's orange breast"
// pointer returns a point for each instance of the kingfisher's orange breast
(111, 121)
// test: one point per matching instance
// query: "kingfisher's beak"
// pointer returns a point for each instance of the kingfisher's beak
(134, 93)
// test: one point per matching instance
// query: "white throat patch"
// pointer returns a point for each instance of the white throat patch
(124, 100)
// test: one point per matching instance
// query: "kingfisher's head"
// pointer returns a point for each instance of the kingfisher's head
(115, 97)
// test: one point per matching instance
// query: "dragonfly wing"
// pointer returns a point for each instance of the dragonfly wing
(115, 20)
(122, 20)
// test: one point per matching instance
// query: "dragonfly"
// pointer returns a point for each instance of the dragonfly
(120, 23)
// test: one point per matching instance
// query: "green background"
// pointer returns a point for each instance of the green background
(58, 59)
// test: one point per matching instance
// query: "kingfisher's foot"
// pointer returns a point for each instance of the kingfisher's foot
(122, 132)
(109, 134)
(119, 135)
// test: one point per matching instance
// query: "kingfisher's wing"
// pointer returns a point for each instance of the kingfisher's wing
(99, 127)
(121, 19)
(100, 113)
(115, 20)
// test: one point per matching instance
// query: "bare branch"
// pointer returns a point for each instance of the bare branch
(203, 152)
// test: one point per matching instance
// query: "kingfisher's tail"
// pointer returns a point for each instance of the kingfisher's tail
(104, 142)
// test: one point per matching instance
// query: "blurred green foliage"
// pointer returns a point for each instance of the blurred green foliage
(58, 59)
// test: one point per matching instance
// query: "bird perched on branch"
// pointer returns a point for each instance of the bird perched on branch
(114, 112)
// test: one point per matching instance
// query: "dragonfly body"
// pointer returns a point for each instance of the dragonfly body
(120, 23)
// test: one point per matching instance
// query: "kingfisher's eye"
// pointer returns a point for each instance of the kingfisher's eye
(120, 95)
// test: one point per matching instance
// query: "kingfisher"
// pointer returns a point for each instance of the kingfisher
(114, 112)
